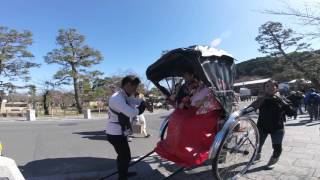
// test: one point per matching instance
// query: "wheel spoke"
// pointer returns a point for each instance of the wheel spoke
(251, 143)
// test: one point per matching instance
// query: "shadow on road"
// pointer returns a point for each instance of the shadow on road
(304, 115)
(93, 135)
(300, 123)
(79, 167)
(101, 135)
(257, 169)
(59, 166)
(313, 124)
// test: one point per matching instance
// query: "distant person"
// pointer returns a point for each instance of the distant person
(141, 118)
(295, 100)
(301, 97)
(312, 101)
(272, 115)
(122, 107)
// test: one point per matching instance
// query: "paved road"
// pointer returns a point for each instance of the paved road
(51, 147)
(78, 150)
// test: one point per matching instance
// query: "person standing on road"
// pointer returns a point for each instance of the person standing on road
(296, 100)
(301, 97)
(312, 101)
(122, 107)
(141, 118)
(272, 115)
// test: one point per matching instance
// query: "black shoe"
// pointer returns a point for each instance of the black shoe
(148, 135)
(130, 174)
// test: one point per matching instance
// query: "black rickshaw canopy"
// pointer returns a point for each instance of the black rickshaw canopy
(213, 67)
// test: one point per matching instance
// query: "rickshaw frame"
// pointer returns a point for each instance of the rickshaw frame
(216, 69)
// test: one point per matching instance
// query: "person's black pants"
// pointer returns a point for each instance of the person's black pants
(276, 138)
(300, 109)
(120, 144)
(313, 112)
(295, 108)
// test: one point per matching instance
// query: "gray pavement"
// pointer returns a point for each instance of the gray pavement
(50, 147)
(71, 149)
(300, 158)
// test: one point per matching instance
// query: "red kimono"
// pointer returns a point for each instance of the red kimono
(189, 137)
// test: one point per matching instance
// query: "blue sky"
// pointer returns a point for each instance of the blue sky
(132, 34)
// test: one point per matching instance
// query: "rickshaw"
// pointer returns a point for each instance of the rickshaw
(234, 139)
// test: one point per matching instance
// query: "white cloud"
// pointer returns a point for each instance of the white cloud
(216, 42)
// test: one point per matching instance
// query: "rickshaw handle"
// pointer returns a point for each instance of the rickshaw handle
(131, 164)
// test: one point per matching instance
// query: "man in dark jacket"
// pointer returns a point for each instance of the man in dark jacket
(272, 115)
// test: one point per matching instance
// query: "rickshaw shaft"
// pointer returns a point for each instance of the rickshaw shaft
(141, 158)
(176, 172)
(131, 164)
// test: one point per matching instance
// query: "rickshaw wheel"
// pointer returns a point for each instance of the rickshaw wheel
(237, 150)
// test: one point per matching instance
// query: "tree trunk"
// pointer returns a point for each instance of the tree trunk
(76, 91)
(46, 103)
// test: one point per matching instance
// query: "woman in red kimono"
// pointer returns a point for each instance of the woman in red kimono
(192, 126)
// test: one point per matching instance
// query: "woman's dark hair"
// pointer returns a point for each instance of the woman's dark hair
(133, 80)
(275, 83)
(188, 69)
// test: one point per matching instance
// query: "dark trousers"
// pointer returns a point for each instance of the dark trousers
(295, 108)
(300, 109)
(276, 138)
(313, 111)
(120, 144)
